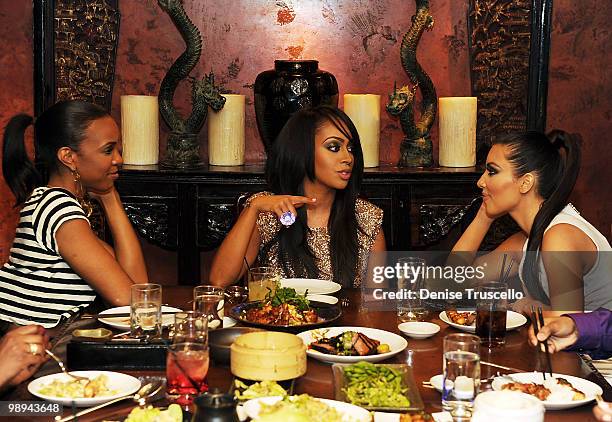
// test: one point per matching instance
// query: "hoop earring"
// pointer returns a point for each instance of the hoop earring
(81, 194)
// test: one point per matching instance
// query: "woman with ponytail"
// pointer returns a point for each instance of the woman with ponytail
(564, 262)
(311, 224)
(57, 264)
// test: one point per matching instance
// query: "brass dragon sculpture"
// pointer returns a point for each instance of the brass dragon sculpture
(183, 145)
(416, 147)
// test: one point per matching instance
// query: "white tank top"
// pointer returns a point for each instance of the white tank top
(598, 281)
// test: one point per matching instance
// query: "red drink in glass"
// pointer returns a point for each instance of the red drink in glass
(186, 369)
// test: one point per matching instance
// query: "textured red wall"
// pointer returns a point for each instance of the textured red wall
(358, 41)
(580, 99)
(16, 93)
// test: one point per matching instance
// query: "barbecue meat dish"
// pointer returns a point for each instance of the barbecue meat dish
(461, 318)
(537, 390)
(349, 343)
(284, 314)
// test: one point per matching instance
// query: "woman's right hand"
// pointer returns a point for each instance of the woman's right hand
(23, 352)
(280, 204)
(483, 217)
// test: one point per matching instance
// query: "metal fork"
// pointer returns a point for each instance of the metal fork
(63, 368)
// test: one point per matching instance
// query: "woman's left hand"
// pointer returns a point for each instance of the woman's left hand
(523, 306)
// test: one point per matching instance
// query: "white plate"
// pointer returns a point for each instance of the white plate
(314, 286)
(436, 382)
(513, 320)
(123, 323)
(332, 300)
(396, 344)
(124, 384)
(589, 388)
(349, 412)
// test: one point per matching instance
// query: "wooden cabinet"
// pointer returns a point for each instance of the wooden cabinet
(190, 211)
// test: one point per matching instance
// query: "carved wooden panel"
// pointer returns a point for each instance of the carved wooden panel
(152, 221)
(214, 222)
(75, 46)
(509, 48)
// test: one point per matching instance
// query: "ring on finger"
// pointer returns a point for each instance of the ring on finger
(34, 349)
(287, 218)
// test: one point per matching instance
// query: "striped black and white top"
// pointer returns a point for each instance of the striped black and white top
(36, 284)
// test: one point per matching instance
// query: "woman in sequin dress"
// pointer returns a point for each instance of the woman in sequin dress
(314, 172)
(564, 262)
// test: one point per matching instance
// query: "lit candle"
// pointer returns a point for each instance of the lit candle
(226, 132)
(457, 131)
(364, 111)
(140, 129)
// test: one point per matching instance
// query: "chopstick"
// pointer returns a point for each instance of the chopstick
(537, 323)
(507, 368)
(549, 364)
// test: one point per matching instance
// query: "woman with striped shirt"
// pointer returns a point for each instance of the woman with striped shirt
(57, 263)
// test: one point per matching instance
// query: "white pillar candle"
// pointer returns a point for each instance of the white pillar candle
(457, 131)
(140, 129)
(226, 132)
(364, 111)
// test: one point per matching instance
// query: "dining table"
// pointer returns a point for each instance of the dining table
(424, 355)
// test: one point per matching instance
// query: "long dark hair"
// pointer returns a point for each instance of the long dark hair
(291, 160)
(555, 161)
(64, 124)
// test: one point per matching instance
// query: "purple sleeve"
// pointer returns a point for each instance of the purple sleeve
(594, 332)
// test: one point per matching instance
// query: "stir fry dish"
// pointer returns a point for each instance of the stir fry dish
(173, 413)
(283, 307)
(375, 386)
(299, 408)
(349, 343)
(554, 389)
(258, 389)
(76, 389)
(461, 318)
(416, 417)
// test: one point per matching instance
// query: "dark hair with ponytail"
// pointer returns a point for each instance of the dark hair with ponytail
(291, 160)
(64, 124)
(555, 161)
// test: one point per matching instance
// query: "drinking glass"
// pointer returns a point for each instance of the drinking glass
(235, 295)
(145, 310)
(261, 280)
(461, 374)
(209, 300)
(491, 307)
(186, 369)
(409, 283)
(190, 327)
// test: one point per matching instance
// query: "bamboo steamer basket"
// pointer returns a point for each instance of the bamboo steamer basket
(268, 356)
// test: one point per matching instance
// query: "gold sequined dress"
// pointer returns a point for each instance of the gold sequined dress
(369, 217)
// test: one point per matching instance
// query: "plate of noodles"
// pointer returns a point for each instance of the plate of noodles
(102, 386)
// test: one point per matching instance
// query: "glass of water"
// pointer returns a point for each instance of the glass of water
(145, 310)
(409, 282)
(461, 372)
(190, 327)
(209, 300)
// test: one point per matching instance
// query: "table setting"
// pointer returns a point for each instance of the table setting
(312, 366)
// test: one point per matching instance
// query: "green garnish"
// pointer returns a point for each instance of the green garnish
(288, 295)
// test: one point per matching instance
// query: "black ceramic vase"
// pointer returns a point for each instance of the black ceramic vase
(289, 87)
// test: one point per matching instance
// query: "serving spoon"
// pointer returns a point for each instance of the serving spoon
(142, 395)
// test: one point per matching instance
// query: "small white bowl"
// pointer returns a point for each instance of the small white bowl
(419, 330)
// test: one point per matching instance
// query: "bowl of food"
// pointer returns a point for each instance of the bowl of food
(419, 329)
(268, 356)
(221, 340)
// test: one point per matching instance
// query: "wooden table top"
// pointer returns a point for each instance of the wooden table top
(427, 361)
